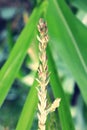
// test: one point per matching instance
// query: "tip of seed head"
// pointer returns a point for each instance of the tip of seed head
(42, 26)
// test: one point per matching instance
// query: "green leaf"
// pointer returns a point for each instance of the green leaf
(64, 111)
(29, 109)
(13, 64)
(68, 35)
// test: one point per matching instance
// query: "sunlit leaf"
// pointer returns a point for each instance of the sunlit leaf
(68, 35)
(13, 64)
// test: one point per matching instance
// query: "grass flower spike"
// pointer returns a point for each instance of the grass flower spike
(43, 77)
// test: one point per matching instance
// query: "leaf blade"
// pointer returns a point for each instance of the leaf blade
(13, 64)
(64, 111)
(73, 52)
(26, 118)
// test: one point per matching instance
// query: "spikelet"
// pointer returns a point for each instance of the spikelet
(43, 77)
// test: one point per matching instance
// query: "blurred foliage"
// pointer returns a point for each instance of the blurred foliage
(20, 61)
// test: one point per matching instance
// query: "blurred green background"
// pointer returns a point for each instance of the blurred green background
(13, 18)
